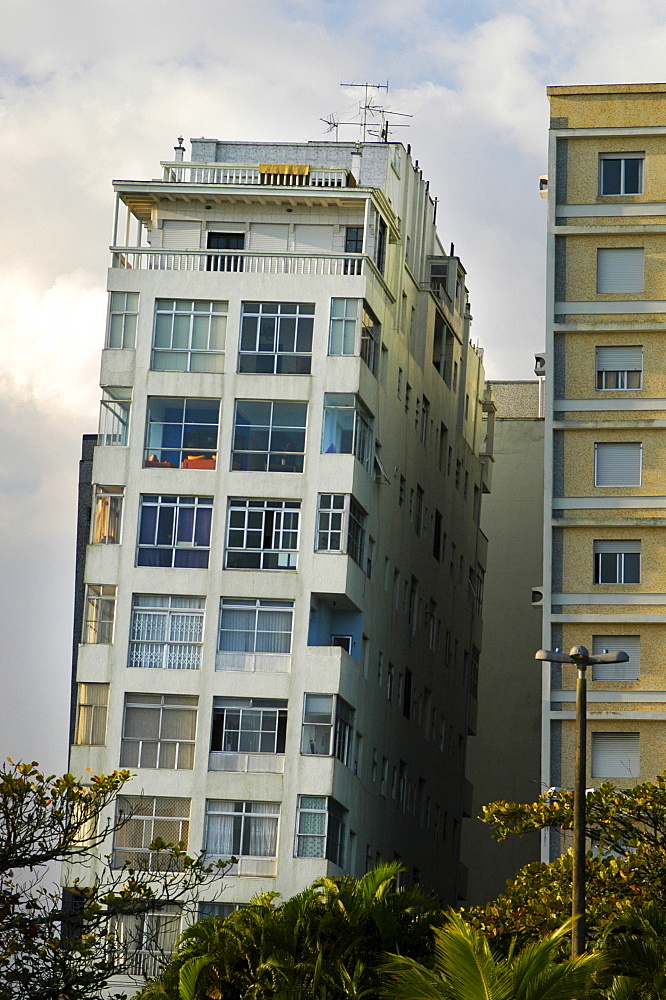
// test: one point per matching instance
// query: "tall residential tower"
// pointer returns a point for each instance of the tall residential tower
(281, 591)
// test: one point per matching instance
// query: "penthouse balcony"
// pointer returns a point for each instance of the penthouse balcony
(135, 258)
(267, 174)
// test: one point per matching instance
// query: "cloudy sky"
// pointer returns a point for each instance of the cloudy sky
(92, 90)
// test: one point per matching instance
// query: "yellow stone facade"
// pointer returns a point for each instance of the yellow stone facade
(588, 123)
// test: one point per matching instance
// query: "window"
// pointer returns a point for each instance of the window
(621, 173)
(347, 427)
(383, 788)
(437, 536)
(269, 436)
(241, 829)
(400, 381)
(92, 703)
(620, 269)
(370, 339)
(408, 396)
(617, 561)
(328, 724)
(100, 612)
(145, 941)
(354, 239)
(370, 557)
(262, 534)
(619, 367)
(159, 730)
(248, 725)
(189, 335)
(174, 531)
(150, 817)
(615, 755)
(401, 492)
(395, 595)
(276, 338)
(418, 512)
(629, 671)
(356, 536)
(320, 826)
(166, 632)
(114, 416)
(123, 311)
(342, 330)
(617, 463)
(225, 241)
(380, 245)
(181, 433)
(255, 626)
(425, 419)
(107, 515)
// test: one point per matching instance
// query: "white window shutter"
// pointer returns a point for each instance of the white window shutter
(267, 237)
(629, 671)
(619, 359)
(615, 755)
(313, 239)
(616, 545)
(620, 269)
(178, 234)
(618, 463)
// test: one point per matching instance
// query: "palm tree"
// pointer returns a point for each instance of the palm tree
(465, 968)
(635, 946)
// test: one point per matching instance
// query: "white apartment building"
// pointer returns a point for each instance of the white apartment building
(281, 566)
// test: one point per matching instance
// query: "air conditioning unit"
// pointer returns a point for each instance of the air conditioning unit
(539, 364)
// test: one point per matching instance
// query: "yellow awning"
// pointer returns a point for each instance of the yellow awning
(284, 168)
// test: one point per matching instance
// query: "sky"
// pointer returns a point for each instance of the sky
(92, 90)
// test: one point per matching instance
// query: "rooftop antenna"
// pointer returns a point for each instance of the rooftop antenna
(385, 126)
(367, 105)
(333, 122)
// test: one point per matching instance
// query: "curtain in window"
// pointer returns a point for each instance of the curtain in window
(220, 833)
(274, 632)
(263, 830)
(237, 630)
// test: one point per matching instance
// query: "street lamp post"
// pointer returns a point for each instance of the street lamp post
(579, 656)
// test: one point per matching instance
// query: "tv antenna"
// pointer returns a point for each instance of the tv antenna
(368, 106)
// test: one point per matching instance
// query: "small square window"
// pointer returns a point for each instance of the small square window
(621, 173)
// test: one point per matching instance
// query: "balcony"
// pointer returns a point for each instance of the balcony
(268, 763)
(283, 175)
(252, 866)
(264, 663)
(147, 259)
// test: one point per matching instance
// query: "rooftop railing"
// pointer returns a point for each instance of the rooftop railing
(237, 261)
(215, 173)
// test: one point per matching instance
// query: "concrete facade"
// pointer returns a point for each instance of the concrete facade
(504, 757)
(605, 417)
(352, 500)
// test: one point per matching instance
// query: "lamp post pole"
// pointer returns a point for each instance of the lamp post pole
(579, 656)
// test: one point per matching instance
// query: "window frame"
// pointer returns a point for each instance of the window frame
(107, 515)
(91, 714)
(248, 459)
(258, 606)
(241, 832)
(623, 158)
(183, 749)
(186, 552)
(149, 814)
(607, 448)
(122, 320)
(604, 736)
(362, 431)
(175, 654)
(337, 733)
(114, 416)
(268, 710)
(284, 362)
(217, 310)
(623, 568)
(284, 558)
(332, 840)
(179, 429)
(99, 614)
(623, 374)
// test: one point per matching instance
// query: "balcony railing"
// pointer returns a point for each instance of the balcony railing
(264, 663)
(254, 866)
(215, 173)
(251, 263)
(272, 763)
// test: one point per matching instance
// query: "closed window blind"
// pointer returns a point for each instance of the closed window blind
(313, 239)
(180, 235)
(615, 755)
(618, 463)
(617, 545)
(629, 671)
(266, 237)
(620, 269)
(619, 359)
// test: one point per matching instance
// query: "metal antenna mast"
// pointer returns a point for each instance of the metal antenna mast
(367, 105)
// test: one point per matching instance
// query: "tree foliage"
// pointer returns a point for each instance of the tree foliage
(55, 945)
(327, 941)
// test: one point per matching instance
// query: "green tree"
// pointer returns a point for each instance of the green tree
(465, 968)
(327, 941)
(55, 945)
(635, 946)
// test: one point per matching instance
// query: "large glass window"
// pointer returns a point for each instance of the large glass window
(276, 338)
(262, 534)
(249, 725)
(166, 632)
(123, 312)
(114, 416)
(320, 826)
(269, 435)
(255, 626)
(241, 829)
(107, 515)
(328, 727)
(92, 703)
(181, 433)
(340, 525)
(174, 531)
(151, 817)
(145, 941)
(347, 427)
(99, 613)
(189, 335)
(159, 730)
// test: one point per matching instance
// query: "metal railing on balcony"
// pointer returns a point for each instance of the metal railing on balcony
(264, 663)
(250, 263)
(269, 763)
(215, 173)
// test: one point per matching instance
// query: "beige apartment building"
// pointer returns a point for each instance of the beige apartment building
(605, 485)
